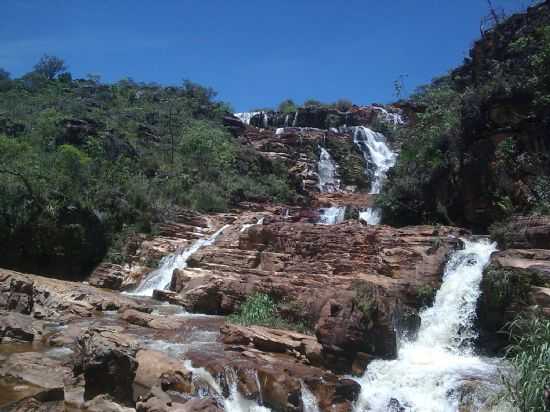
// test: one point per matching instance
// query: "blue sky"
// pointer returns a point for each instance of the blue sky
(253, 53)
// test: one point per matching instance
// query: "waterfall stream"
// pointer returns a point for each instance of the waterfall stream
(428, 372)
(374, 148)
(160, 278)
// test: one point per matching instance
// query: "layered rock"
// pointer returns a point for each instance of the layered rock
(323, 117)
(516, 281)
(142, 253)
(351, 282)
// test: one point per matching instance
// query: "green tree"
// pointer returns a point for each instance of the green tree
(50, 66)
(287, 106)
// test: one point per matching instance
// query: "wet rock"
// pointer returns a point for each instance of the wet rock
(349, 282)
(104, 403)
(107, 275)
(53, 299)
(107, 360)
(304, 347)
(16, 327)
(34, 368)
(156, 367)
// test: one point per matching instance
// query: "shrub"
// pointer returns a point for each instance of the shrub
(343, 105)
(261, 309)
(529, 354)
(287, 106)
(312, 103)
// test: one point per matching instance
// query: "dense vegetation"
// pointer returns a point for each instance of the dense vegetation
(82, 161)
(261, 309)
(530, 355)
(476, 149)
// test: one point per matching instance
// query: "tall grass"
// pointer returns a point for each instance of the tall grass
(529, 353)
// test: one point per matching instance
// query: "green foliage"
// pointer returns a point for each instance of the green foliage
(529, 354)
(50, 66)
(343, 105)
(428, 148)
(287, 106)
(127, 153)
(425, 295)
(261, 309)
(312, 103)
(365, 299)
(507, 286)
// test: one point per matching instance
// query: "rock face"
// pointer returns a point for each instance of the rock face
(350, 282)
(53, 299)
(107, 361)
(525, 232)
(320, 117)
(142, 253)
(517, 280)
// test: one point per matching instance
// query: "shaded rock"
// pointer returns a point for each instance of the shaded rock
(104, 403)
(524, 232)
(107, 275)
(155, 367)
(303, 347)
(107, 360)
(16, 327)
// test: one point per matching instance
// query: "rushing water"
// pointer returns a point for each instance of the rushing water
(309, 401)
(160, 278)
(246, 117)
(428, 371)
(331, 215)
(374, 148)
(328, 179)
(235, 402)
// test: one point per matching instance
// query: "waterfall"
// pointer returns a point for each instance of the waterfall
(265, 120)
(246, 117)
(429, 370)
(160, 278)
(332, 215)
(326, 167)
(246, 226)
(235, 402)
(309, 401)
(374, 148)
(394, 119)
(371, 215)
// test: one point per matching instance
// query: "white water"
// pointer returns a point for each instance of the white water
(246, 117)
(246, 226)
(371, 215)
(235, 402)
(309, 401)
(326, 167)
(160, 278)
(394, 119)
(331, 215)
(374, 148)
(429, 370)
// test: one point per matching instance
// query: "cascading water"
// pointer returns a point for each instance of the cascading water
(328, 179)
(428, 371)
(235, 402)
(394, 119)
(329, 183)
(374, 148)
(246, 226)
(331, 215)
(246, 117)
(160, 278)
(309, 401)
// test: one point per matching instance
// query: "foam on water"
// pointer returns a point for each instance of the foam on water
(429, 370)
(160, 278)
